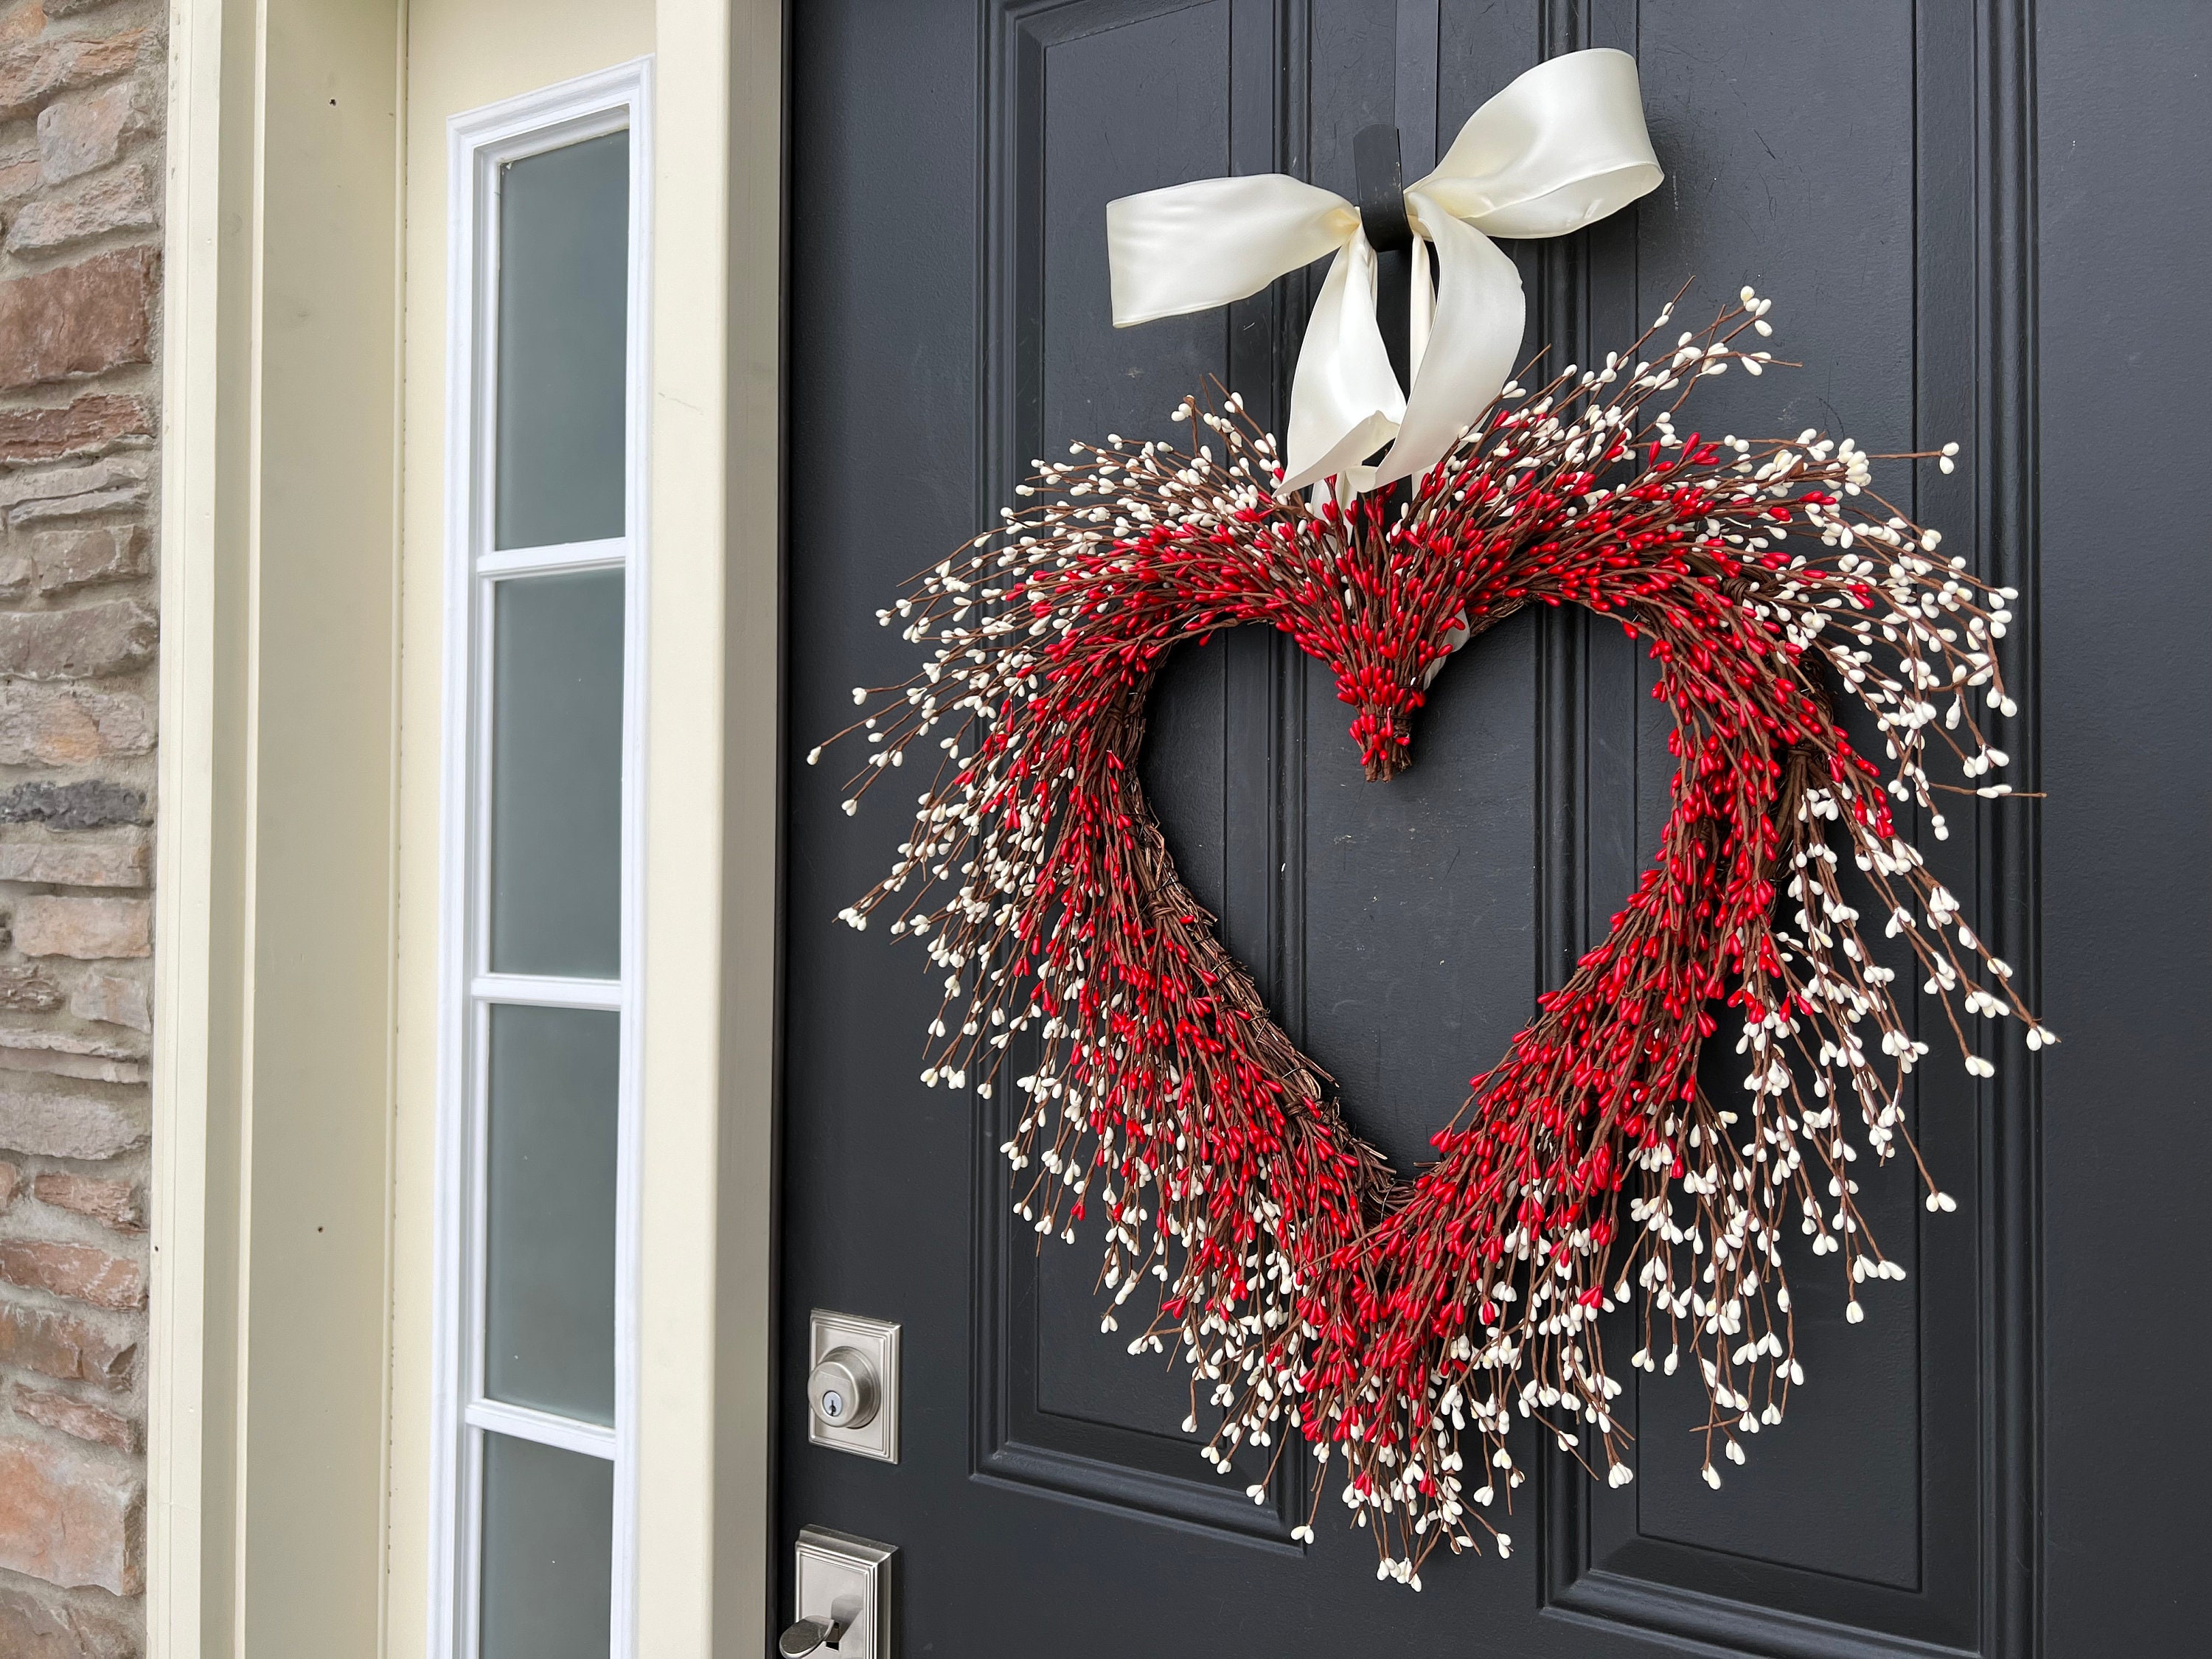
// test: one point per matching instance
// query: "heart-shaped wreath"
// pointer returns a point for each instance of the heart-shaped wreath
(1312, 1290)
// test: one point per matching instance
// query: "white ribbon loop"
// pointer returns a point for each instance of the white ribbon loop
(1561, 147)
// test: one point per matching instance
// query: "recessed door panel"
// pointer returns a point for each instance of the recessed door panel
(1097, 99)
(1859, 1509)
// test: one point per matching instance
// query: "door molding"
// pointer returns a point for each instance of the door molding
(1972, 368)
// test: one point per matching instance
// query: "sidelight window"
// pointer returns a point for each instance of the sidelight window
(537, 1413)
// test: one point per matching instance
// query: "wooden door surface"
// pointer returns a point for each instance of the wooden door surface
(1951, 204)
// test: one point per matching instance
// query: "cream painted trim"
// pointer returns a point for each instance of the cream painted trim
(267, 1456)
(268, 1361)
(193, 959)
(705, 1556)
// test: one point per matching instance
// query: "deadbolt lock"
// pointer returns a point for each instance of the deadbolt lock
(852, 1384)
(843, 1389)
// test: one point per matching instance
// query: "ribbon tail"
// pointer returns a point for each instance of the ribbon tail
(1420, 308)
(1345, 399)
(1472, 343)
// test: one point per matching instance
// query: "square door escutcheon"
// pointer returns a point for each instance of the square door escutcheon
(875, 1343)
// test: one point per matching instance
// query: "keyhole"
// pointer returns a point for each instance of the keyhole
(833, 1404)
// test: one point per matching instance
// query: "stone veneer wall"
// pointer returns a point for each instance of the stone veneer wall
(81, 92)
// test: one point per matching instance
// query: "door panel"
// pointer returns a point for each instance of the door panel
(1049, 1500)
(1860, 1510)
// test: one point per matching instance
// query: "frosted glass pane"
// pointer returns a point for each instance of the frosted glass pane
(549, 1272)
(564, 304)
(557, 775)
(548, 1552)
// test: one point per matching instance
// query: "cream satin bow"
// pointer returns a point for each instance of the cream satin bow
(1561, 147)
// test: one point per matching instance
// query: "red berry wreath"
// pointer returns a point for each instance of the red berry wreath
(1314, 1292)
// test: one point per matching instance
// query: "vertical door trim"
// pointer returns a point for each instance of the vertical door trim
(268, 1362)
(707, 1539)
(197, 970)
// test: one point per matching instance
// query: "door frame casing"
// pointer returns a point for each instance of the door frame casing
(278, 1519)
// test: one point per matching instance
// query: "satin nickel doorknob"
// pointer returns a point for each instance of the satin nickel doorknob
(843, 1389)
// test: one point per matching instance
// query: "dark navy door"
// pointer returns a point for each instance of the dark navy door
(1981, 221)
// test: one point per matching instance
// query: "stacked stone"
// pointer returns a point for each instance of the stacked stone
(81, 107)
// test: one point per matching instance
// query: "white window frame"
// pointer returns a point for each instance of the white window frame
(479, 143)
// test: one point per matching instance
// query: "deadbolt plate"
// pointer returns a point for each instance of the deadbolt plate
(878, 1341)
